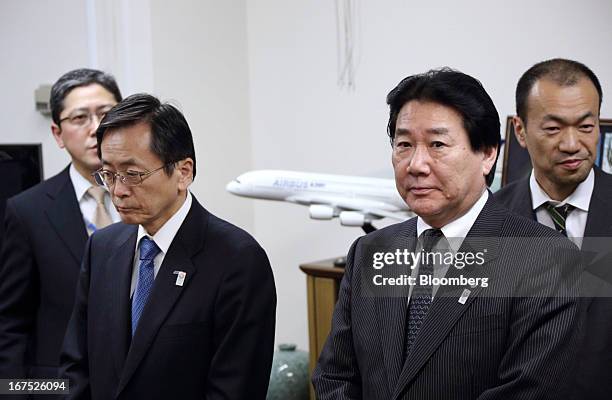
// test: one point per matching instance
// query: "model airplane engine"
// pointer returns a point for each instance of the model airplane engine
(352, 218)
(318, 211)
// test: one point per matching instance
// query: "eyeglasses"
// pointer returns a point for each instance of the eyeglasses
(84, 118)
(107, 178)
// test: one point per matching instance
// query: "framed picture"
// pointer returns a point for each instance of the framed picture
(517, 164)
(604, 157)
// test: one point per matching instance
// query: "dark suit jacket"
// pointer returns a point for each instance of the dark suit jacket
(594, 371)
(511, 340)
(210, 338)
(39, 265)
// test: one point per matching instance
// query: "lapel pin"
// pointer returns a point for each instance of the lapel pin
(180, 277)
(464, 296)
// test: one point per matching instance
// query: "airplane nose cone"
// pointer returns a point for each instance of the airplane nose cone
(233, 187)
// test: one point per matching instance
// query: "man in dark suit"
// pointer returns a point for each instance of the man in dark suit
(558, 103)
(173, 302)
(500, 327)
(46, 228)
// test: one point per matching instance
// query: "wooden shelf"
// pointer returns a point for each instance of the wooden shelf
(322, 284)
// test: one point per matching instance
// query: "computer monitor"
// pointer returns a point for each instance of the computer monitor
(20, 168)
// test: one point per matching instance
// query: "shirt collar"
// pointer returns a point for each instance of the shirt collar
(580, 197)
(165, 235)
(458, 229)
(81, 185)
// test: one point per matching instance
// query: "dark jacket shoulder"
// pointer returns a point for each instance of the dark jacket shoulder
(515, 191)
(48, 187)
(234, 237)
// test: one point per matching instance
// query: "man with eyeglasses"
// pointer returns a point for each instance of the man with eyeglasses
(46, 230)
(173, 303)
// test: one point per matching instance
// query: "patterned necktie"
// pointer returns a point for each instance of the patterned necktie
(101, 217)
(146, 276)
(559, 215)
(421, 297)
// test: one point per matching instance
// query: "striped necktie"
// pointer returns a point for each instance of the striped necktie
(559, 215)
(421, 297)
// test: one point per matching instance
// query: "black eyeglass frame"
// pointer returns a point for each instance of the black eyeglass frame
(101, 114)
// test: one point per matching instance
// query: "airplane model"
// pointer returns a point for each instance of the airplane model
(354, 200)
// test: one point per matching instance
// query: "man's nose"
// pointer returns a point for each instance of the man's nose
(419, 163)
(120, 189)
(569, 142)
(94, 124)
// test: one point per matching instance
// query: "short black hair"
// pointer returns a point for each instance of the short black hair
(77, 78)
(561, 71)
(456, 90)
(171, 138)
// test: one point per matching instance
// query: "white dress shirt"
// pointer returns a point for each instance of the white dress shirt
(579, 199)
(87, 203)
(163, 239)
(454, 234)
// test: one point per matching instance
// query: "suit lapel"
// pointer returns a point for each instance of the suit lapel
(122, 261)
(446, 309)
(595, 244)
(391, 313)
(65, 217)
(187, 242)
(599, 207)
(523, 204)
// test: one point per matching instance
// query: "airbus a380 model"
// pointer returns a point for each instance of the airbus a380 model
(356, 201)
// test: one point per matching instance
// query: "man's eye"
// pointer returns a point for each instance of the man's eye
(102, 113)
(79, 118)
(587, 127)
(132, 174)
(551, 129)
(437, 144)
(403, 144)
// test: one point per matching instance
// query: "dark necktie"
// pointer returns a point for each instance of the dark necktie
(421, 297)
(146, 276)
(559, 215)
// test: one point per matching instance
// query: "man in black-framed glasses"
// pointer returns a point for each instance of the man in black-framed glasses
(46, 230)
(173, 302)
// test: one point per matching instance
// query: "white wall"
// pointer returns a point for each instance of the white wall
(200, 62)
(39, 41)
(301, 120)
